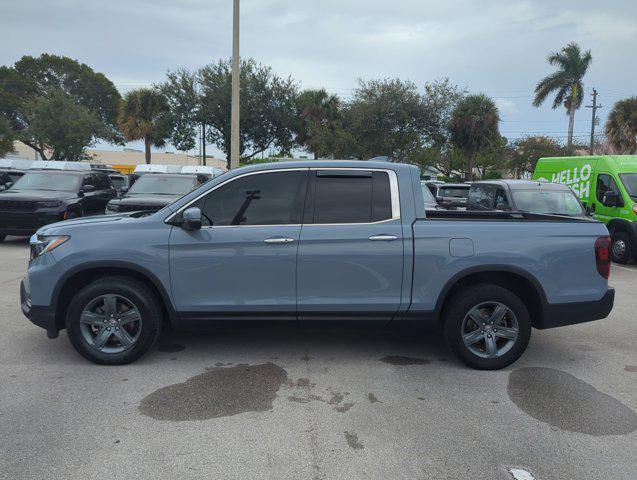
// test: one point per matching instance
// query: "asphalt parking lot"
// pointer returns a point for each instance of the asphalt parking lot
(282, 403)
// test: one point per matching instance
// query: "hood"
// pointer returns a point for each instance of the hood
(61, 227)
(146, 200)
(35, 195)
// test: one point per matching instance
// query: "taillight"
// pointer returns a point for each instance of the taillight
(602, 256)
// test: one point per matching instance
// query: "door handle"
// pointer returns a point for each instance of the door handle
(278, 240)
(383, 238)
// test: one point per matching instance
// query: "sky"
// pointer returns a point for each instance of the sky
(496, 47)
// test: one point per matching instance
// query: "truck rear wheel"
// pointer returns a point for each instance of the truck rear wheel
(114, 320)
(621, 248)
(486, 326)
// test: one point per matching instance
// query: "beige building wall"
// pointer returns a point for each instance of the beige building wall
(131, 157)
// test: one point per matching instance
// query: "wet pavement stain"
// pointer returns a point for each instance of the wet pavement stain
(336, 398)
(399, 360)
(218, 392)
(372, 398)
(564, 401)
(171, 348)
(631, 368)
(353, 442)
(345, 407)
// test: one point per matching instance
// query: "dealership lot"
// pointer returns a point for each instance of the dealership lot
(271, 401)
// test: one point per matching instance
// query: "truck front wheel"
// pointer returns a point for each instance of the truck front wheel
(114, 320)
(621, 247)
(486, 326)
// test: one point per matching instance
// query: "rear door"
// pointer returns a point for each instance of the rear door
(350, 259)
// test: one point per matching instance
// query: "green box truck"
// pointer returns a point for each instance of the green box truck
(607, 187)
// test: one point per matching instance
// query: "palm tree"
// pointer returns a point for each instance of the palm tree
(474, 127)
(621, 126)
(318, 113)
(144, 115)
(566, 81)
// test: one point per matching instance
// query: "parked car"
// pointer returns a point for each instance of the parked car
(46, 196)
(607, 187)
(153, 191)
(526, 196)
(5, 181)
(14, 168)
(450, 195)
(312, 240)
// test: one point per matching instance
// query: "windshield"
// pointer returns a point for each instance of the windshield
(630, 183)
(429, 198)
(554, 202)
(457, 192)
(47, 181)
(160, 185)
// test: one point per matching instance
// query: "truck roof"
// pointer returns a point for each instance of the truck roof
(523, 184)
(326, 164)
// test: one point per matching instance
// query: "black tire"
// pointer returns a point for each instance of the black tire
(140, 295)
(621, 248)
(463, 302)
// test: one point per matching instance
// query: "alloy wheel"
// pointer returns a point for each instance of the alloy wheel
(490, 329)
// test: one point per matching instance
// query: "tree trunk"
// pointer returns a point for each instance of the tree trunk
(147, 149)
(571, 124)
(315, 156)
(470, 161)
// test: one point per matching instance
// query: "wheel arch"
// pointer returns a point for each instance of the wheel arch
(517, 280)
(77, 278)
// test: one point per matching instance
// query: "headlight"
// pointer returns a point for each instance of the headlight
(45, 243)
(49, 204)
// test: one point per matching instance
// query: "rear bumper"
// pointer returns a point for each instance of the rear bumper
(561, 314)
(43, 317)
(26, 223)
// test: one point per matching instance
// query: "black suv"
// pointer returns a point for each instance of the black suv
(153, 191)
(44, 196)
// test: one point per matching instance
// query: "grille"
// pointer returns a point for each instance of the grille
(137, 208)
(17, 205)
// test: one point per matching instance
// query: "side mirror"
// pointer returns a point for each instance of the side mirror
(502, 206)
(123, 189)
(8, 184)
(88, 188)
(611, 199)
(438, 198)
(191, 218)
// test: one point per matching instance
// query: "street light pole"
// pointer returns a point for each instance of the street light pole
(234, 120)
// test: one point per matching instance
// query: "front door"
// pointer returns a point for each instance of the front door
(351, 246)
(243, 259)
(605, 182)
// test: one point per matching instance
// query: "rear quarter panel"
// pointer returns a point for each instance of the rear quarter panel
(560, 256)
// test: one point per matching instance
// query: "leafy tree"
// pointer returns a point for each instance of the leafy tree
(385, 117)
(621, 126)
(525, 152)
(31, 82)
(63, 126)
(474, 127)
(566, 82)
(491, 161)
(181, 90)
(318, 122)
(267, 111)
(145, 115)
(7, 136)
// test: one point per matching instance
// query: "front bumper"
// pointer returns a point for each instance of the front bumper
(561, 314)
(27, 223)
(41, 316)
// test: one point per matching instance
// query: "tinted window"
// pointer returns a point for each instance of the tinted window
(501, 202)
(351, 197)
(262, 199)
(118, 182)
(456, 192)
(604, 184)
(482, 197)
(160, 184)
(101, 181)
(630, 183)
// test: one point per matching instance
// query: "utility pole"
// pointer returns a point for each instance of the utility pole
(203, 144)
(595, 107)
(234, 120)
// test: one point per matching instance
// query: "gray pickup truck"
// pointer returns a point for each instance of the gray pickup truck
(314, 240)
